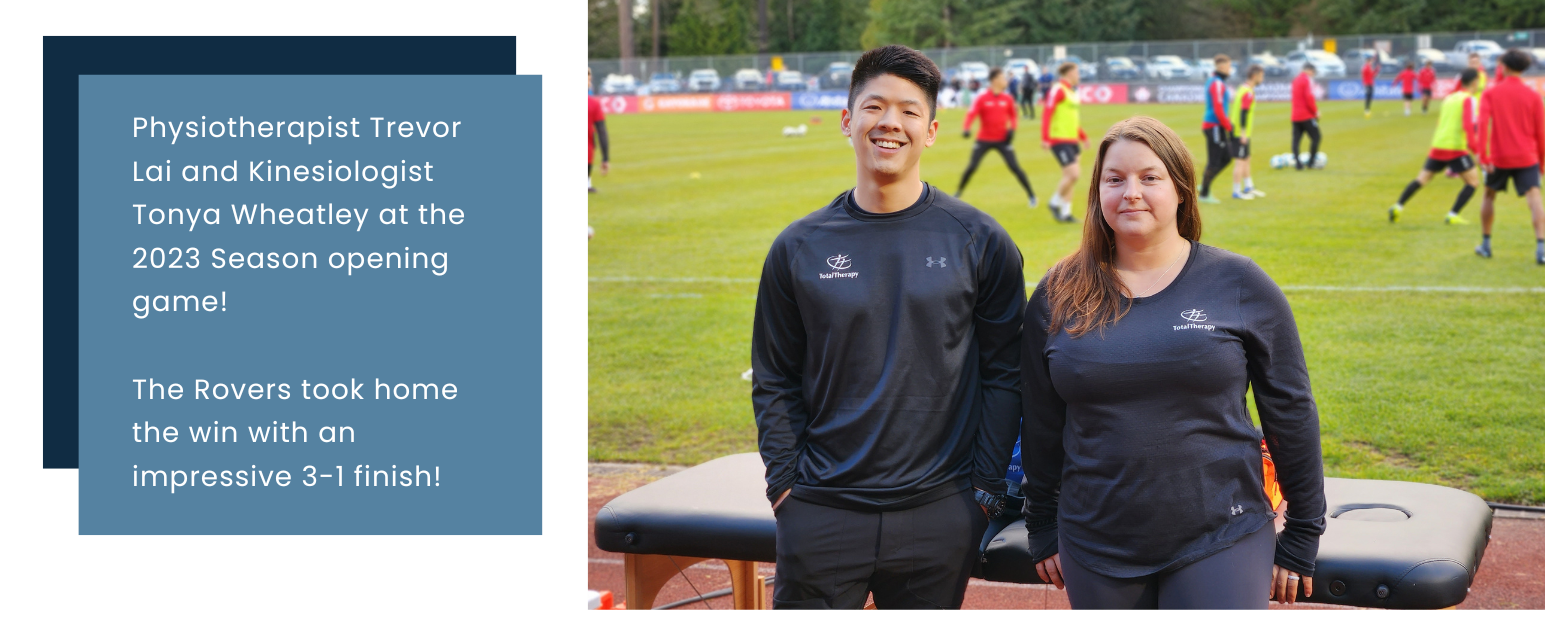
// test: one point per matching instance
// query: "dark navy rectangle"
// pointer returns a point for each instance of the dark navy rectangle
(65, 59)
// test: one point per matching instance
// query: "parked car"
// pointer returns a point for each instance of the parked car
(1539, 56)
(1120, 68)
(1489, 51)
(1440, 61)
(837, 75)
(1326, 64)
(1017, 67)
(1387, 65)
(1168, 68)
(748, 79)
(660, 83)
(1201, 68)
(1086, 70)
(619, 84)
(1141, 62)
(704, 80)
(974, 70)
(1272, 65)
(789, 80)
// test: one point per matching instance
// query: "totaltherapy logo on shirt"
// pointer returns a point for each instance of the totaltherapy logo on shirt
(1194, 318)
(838, 264)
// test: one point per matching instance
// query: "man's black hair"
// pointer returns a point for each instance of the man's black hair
(1254, 69)
(1309, 66)
(1516, 59)
(993, 73)
(1468, 76)
(900, 61)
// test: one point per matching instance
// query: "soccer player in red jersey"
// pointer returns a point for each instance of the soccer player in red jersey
(1424, 79)
(1306, 116)
(1407, 81)
(597, 125)
(1512, 146)
(1370, 72)
(1000, 117)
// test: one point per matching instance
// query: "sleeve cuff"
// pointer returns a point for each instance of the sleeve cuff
(1292, 559)
(996, 486)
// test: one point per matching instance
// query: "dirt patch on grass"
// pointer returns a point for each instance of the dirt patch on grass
(1392, 458)
(611, 479)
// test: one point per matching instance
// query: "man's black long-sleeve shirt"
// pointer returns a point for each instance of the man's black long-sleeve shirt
(886, 354)
(1137, 444)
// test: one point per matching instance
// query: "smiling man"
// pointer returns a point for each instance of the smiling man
(885, 353)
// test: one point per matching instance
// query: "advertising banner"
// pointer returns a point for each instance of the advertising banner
(676, 103)
(1193, 92)
(618, 104)
(731, 102)
(821, 100)
(1108, 92)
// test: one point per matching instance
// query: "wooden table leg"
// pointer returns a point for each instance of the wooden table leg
(749, 589)
(645, 574)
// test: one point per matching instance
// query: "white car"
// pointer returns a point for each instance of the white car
(1437, 57)
(703, 80)
(1489, 51)
(789, 80)
(1326, 64)
(973, 70)
(1017, 67)
(1167, 68)
(748, 79)
(619, 84)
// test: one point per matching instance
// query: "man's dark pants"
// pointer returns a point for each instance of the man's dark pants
(918, 558)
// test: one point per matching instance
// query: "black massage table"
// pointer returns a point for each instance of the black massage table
(1393, 545)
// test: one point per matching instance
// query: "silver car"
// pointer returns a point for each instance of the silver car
(703, 80)
(1326, 64)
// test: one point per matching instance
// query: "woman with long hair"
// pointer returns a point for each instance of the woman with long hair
(1143, 469)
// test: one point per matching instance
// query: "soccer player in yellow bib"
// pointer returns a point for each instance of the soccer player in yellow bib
(1243, 115)
(1453, 145)
(1061, 133)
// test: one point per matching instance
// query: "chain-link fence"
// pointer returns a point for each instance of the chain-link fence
(1130, 61)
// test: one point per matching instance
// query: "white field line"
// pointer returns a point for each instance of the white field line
(1489, 290)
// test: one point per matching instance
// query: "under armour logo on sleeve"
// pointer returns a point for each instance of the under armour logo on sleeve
(936, 263)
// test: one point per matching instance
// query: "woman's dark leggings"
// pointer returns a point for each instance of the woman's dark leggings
(1238, 577)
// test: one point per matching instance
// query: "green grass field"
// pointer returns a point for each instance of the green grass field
(1421, 385)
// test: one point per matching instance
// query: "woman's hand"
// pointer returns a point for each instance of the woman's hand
(1050, 570)
(1284, 585)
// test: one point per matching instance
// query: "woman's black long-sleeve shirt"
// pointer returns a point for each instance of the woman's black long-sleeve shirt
(885, 354)
(1137, 443)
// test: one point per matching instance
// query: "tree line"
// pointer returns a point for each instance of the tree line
(626, 28)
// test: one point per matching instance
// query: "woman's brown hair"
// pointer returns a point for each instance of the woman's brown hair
(1083, 290)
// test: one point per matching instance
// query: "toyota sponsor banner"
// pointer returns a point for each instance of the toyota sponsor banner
(731, 102)
(1107, 92)
(618, 104)
(821, 100)
(676, 103)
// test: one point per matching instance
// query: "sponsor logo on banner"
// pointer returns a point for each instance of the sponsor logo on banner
(1112, 92)
(1181, 93)
(820, 100)
(1142, 94)
(1354, 90)
(1197, 93)
(676, 103)
(619, 104)
(731, 102)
